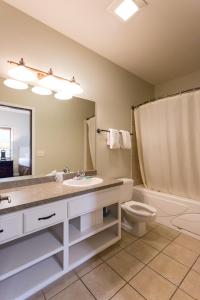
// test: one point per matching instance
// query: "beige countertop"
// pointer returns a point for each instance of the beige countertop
(38, 194)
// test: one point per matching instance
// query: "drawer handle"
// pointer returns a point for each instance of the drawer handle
(5, 198)
(1, 230)
(45, 218)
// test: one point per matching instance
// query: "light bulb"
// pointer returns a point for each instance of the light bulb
(63, 95)
(76, 88)
(41, 91)
(72, 87)
(22, 73)
(15, 84)
(126, 9)
(51, 82)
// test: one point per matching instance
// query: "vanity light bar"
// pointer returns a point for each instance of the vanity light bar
(41, 73)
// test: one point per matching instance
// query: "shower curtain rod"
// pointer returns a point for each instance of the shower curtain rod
(167, 96)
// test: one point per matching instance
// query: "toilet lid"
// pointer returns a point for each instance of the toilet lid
(140, 209)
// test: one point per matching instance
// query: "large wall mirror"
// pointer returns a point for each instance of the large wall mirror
(39, 134)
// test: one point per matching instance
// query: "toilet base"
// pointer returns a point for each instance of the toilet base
(137, 229)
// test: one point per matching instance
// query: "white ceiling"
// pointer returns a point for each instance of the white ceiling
(161, 42)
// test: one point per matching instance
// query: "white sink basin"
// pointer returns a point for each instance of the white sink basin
(83, 182)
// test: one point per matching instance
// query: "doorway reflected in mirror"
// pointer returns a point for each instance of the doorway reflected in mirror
(15, 141)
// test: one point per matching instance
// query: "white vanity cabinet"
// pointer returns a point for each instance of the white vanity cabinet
(40, 244)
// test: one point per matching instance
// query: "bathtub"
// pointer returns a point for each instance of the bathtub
(173, 211)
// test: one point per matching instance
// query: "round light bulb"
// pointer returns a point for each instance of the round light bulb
(76, 88)
(22, 73)
(51, 82)
(41, 91)
(15, 84)
(63, 95)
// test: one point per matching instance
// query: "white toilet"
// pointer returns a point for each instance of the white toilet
(135, 214)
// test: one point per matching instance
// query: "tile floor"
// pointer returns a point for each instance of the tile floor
(162, 265)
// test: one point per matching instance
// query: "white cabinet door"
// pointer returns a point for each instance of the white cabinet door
(11, 226)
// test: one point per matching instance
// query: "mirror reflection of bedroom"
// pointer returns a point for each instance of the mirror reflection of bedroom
(15, 142)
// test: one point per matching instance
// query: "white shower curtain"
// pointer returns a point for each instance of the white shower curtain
(168, 140)
(91, 137)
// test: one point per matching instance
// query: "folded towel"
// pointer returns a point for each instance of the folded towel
(125, 141)
(113, 139)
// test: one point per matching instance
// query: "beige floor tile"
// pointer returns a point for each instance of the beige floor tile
(125, 265)
(181, 254)
(152, 286)
(191, 284)
(127, 239)
(103, 282)
(169, 268)
(167, 232)
(196, 266)
(59, 284)
(142, 251)
(109, 252)
(88, 266)
(37, 296)
(155, 240)
(152, 225)
(180, 295)
(188, 242)
(75, 291)
(127, 293)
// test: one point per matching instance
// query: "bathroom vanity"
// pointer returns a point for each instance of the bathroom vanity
(49, 229)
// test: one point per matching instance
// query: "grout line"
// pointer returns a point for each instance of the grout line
(137, 291)
(131, 288)
(88, 288)
(112, 254)
(185, 277)
(185, 293)
(61, 289)
(147, 264)
(90, 270)
(177, 260)
(126, 281)
(43, 294)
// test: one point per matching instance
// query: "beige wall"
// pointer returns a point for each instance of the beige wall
(112, 88)
(189, 81)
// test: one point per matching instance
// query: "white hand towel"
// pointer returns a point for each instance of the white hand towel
(125, 140)
(113, 139)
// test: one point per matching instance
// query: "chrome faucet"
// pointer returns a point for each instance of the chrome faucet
(80, 174)
(66, 170)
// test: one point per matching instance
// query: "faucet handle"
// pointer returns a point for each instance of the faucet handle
(66, 170)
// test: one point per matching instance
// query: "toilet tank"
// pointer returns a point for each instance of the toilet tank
(126, 190)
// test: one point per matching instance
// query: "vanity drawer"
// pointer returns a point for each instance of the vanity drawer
(44, 216)
(93, 201)
(11, 227)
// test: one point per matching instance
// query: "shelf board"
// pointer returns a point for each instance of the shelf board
(23, 254)
(76, 236)
(84, 250)
(29, 281)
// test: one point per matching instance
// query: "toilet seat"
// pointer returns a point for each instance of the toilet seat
(140, 209)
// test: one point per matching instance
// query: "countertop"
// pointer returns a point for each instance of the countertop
(38, 194)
